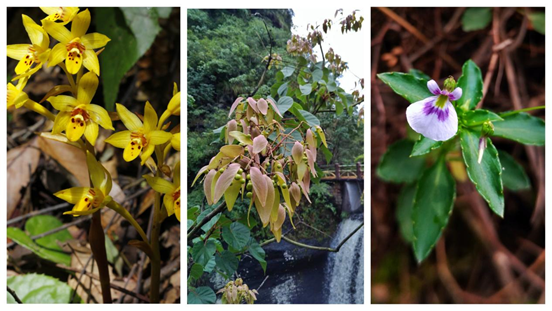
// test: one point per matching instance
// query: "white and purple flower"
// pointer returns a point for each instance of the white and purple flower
(435, 116)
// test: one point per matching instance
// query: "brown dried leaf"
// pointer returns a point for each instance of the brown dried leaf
(70, 157)
(22, 162)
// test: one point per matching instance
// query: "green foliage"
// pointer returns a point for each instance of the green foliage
(521, 127)
(406, 85)
(513, 174)
(479, 116)
(131, 30)
(432, 207)
(320, 214)
(476, 18)
(201, 295)
(345, 137)
(538, 20)
(471, 83)
(404, 210)
(424, 145)
(396, 165)
(38, 288)
(236, 235)
(46, 247)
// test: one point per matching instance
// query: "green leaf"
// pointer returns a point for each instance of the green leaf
(424, 145)
(201, 295)
(327, 153)
(522, 128)
(317, 75)
(202, 253)
(396, 165)
(132, 32)
(433, 204)
(38, 288)
(419, 74)
(284, 103)
(236, 235)
(306, 89)
(288, 71)
(513, 174)
(309, 118)
(406, 85)
(479, 116)
(46, 247)
(195, 272)
(208, 225)
(471, 83)
(282, 90)
(193, 212)
(476, 18)
(538, 21)
(486, 176)
(113, 255)
(258, 253)
(227, 262)
(404, 210)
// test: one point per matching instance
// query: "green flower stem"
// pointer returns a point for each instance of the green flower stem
(38, 108)
(126, 215)
(507, 114)
(155, 229)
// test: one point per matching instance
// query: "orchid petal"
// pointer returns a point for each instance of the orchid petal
(72, 195)
(119, 139)
(456, 94)
(431, 121)
(80, 24)
(130, 120)
(433, 87)
(91, 61)
(94, 40)
(87, 87)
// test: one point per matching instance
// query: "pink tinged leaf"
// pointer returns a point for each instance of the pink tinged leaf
(254, 120)
(201, 171)
(274, 106)
(231, 151)
(287, 199)
(301, 170)
(231, 194)
(259, 143)
(310, 138)
(225, 180)
(241, 137)
(297, 153)
(215, 161)
(245, 127)
(259, 185)
(281, 178)
(269, 117)
(310, 158)
(290, 213)
(305, 185)
(270, 195)
(275, 204)
(253, 104)
(281, 217)
(295, 192)
(230, 127)
(264, 213)
(234, 105)
(207, 186)
(263, 106)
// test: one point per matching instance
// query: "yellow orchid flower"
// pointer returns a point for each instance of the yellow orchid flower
(35, 53)
(78, 116)
(175, 141)
(173, 108)
(140, 138)
(63, 14)
(88, 200)
(75, 46)
(171, 190)
(16, 96)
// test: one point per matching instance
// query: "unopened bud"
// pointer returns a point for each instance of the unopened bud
(450, 84)
(487, 129)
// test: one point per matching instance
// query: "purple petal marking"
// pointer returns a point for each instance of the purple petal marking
(456, 94)
(433, 87)
(430, 108)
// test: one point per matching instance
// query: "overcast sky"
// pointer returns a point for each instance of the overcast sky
(349, 45)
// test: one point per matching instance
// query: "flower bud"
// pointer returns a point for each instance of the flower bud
(450, 84)
(487, 129)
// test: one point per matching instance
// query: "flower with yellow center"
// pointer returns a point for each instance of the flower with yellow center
(16, 96)
(171, 191)
(88, 200)
(78, 116)
(63, 14)
(75, 46)
(173, 108)
(140, 138)
(35, 53)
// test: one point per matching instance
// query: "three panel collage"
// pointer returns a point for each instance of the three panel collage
(276, 157)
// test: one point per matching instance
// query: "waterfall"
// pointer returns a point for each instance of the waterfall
(352, 191)
(345, 269)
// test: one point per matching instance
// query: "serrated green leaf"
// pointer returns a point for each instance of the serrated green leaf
(201, 295)
(396, 165)
(424, 145)
(284, 103)
(513, 174)
(538, 21)
(406, 85)
(432, 207)
(236, 235)
(258, 253)
(404, 210)
(522, 128)
(479, 116)
(227, 262)
(471, 83)
(486, 175)
(38, 288)
(203, 252)
(476, 18)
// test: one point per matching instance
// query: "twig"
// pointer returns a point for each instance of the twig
(262, 283)
(209, 216)
(37, 212)
(14, 295)
(494, 57)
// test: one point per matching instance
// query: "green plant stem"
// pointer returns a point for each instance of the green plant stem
(97, 244)
(126, 215)
(507, 114)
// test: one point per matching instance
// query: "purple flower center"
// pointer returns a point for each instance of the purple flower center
(442, 114)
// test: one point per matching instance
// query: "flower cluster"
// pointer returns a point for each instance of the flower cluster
(298, 45)
(336, 65)
(236, 292)
(274, 175)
